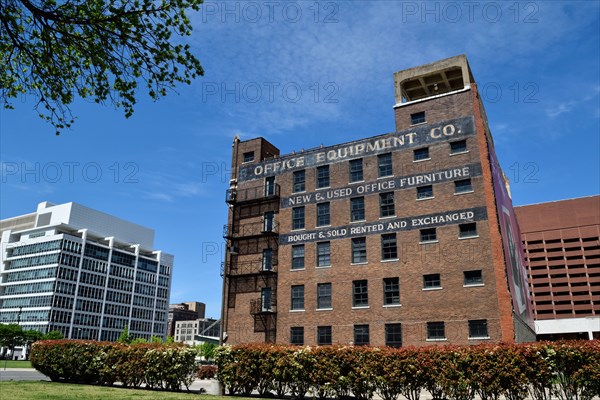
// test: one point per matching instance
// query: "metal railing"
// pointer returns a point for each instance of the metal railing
(258, 307)
(250, 229)
(251, 194)
(249, 267)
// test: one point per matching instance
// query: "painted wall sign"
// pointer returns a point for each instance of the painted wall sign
(383, 185)
(418, 136)
(514, 254)
(386, 226)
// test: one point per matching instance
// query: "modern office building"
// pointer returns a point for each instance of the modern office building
(198, 331)
(184, 312)
(562, 244)
(406, 238)
(85, 273)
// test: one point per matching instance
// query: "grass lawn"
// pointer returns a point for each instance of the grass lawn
(66, 391)
(15, 364)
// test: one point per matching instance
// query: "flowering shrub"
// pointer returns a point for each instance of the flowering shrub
(207, 372)
(545, 370)
(71, 360)
(155, 365)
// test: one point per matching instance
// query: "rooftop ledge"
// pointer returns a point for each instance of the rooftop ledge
(466, 88)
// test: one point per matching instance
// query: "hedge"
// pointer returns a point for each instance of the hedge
(543, 370)
(158, 366)
(206, 372)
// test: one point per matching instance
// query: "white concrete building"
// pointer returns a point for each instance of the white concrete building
(83, 272)
(198, 331)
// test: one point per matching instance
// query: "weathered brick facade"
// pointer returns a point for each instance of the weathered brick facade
(450, 228)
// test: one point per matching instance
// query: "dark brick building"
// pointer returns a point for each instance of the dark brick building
(405, 238)
(562, 244)
(189, 311)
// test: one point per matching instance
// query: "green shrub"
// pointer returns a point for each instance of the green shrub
(156, 365)
(567, 370)
(578, 369)
(71, 360)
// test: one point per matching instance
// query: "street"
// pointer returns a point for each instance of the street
(21, 374)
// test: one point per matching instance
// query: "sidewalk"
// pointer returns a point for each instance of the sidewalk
(16, 369)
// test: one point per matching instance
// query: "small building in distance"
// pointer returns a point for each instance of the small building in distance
(85, 273)
(198, 331)
(562, 244)
(186, 311)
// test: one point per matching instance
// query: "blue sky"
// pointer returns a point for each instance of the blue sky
(303, 74)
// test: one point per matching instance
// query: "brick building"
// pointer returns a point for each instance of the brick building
(187, 311)
(562, 244)
(405, 238)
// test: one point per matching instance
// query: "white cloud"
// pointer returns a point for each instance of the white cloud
(561, 109)
(160, 196)
(359, 52)
(567, 106)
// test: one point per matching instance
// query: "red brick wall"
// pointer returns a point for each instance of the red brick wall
(502, 291)
(453, 304)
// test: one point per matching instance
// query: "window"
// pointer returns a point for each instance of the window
(393, 335)
(323, 335)
(298, 256)
(357, 209)
(323, 214)
(356, 170)
(323, 295)
(421, 154)
(298, 218)
(299, 181)
(459, 146)
(267, 260)
(323, 176)
(297, 335)
(360, 294)
(428, 235)
(468, 230)
(417, 118)
(265, 298)
(425, 192)
(389, 249)
(297, 297)
(359, 250)
(473, 277)
(391, 291)
(386, 204)
(270, 186)
(249, 156)
(323, 254)
(463, 186)
(432, 281)
(384, 164)
(269, 221)
(436, 331)
(361, 335)
(478, 329)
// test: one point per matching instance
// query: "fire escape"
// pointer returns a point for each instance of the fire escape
(251, 257)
